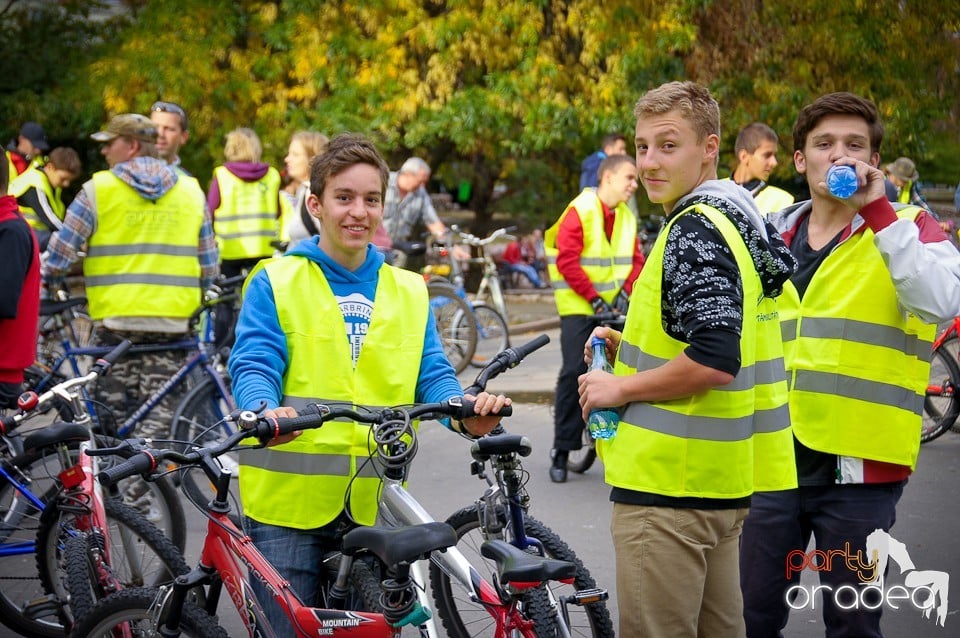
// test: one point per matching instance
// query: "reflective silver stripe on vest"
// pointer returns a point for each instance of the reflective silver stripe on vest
(141, 278)
(253, 233)
(606, 261)
(599, 287)
(309, 464)
(242, 216)
(705, 428)
(876, 392)
(868, 334)
(788, 330)
(761, 373)
(116, 250)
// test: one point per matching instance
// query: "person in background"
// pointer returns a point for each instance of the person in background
(699, 372)
(902, 175)
(612, 144)
(150, 256)
(38, 192)
(26, 150)
(408, 204)
(756, 150)
(172, 132)
(519, 256)
(593, 257)
(296, 223)
(19, 295)
(858, 319)
(330, 321)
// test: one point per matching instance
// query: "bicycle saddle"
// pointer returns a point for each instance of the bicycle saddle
(56, 433)
(54, 307)
(518, 567)
(402, 544)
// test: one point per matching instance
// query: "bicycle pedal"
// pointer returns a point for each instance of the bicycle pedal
(588, 596)
(40, 608)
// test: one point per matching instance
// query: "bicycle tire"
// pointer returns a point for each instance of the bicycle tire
(366, 586)
(581, 460)
(80, 585)
(459, 338)
(139, 607)
(462, 618)
(203, 407)
(25, 604)
(493, 334)
(940, 410)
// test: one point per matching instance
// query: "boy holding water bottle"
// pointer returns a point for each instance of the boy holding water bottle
(858, 316)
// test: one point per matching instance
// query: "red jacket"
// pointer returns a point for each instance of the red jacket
(19, 293)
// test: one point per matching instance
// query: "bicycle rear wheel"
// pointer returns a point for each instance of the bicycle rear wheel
(459, 338)
(493, 335)
(463, 618)
(198, 420)
(941, 405)
(581, 460)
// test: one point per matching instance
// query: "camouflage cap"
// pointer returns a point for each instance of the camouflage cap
(134, 125)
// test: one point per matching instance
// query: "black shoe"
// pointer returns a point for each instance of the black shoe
(558, 474)
(558, 469)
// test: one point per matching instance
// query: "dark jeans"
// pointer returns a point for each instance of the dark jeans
(568, 423)
(782, 522)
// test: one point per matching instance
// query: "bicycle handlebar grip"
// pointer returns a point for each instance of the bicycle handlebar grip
(7, 423)
(106, 361)
(466, 410)
(141, 463)
(270, 428)
(520, 352)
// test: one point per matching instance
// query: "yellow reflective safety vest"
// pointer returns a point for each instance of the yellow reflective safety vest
(726, 442)
(606, 262)
(772, 199)
(246, 221)
(858, 364)
(36, 178)
(143, 259)
(303, 484)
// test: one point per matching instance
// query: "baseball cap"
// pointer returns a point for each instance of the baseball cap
(35, 133)
(904, 168)
(134, 125)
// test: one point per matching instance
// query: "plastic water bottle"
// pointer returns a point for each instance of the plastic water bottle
(602, 422)
(842, 181)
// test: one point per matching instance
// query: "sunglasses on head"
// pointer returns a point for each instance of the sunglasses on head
(170, 107)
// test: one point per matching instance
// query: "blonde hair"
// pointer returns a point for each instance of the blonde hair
(692, 100)
(242, 145)
(312, 142)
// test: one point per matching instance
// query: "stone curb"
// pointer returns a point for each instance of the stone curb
(534, 326)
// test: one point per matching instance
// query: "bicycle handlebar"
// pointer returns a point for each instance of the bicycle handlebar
(505, 360)
(28, 402)
(251, 425)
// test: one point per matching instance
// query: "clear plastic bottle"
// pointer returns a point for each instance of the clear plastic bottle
(842, 180)
(602, 422)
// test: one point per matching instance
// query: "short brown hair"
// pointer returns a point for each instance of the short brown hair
(65, 159)
(612, 163)
(692, 100)
(752, 135)
(344, 151)
(840, 103)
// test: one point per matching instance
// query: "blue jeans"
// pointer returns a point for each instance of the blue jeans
(527, 271)
(781, 523)
(298, 556)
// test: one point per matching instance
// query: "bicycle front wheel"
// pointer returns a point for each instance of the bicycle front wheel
(459, 337)
(464, 618)
(493, 335)
(140, 612)
(941, 405)
(198, 420)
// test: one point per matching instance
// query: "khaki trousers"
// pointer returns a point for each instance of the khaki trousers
(678, 571)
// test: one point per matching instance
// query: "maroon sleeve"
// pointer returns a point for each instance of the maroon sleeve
(638, 261)
(569, 249)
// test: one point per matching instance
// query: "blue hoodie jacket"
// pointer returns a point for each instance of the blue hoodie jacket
(259, 358)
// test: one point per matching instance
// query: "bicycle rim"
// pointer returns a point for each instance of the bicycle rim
(493, 335)
(941, 405)
(137, 612)
(459, 338)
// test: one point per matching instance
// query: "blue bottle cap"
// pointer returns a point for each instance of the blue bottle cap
(842, 181)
